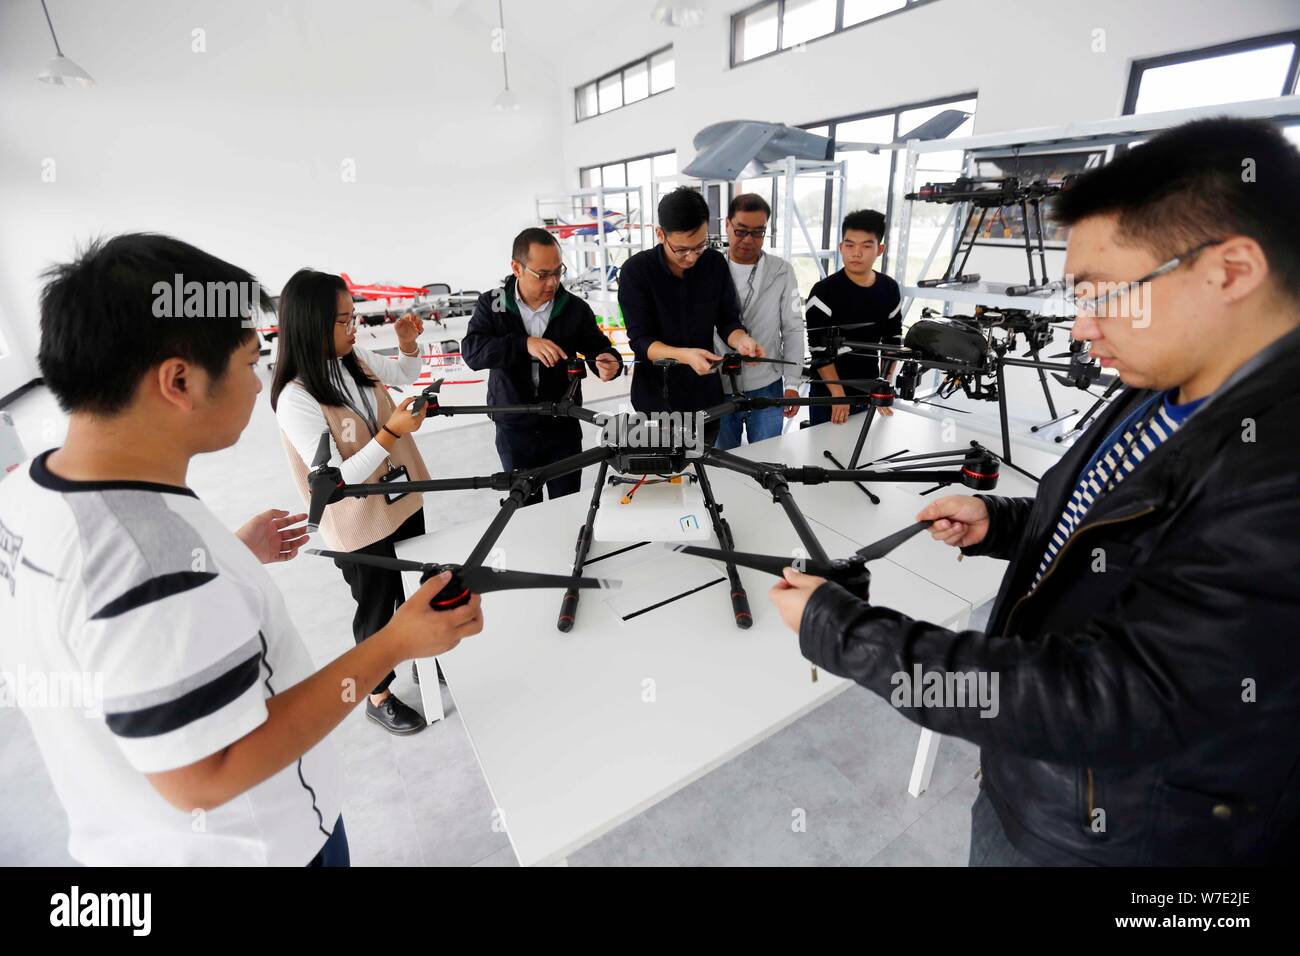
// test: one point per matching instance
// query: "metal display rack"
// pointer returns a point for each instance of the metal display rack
(1049, 299)
(576, 248)
(788, 170)
(1027, 142)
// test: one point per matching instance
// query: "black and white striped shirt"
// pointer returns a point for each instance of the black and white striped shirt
(1118, 456)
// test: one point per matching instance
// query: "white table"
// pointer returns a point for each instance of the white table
(1026, 407)
(843, 506)
(578, 732)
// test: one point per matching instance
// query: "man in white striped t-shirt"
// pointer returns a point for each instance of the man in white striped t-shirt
(177, 710)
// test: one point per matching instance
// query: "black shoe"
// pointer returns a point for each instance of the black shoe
(395, 717)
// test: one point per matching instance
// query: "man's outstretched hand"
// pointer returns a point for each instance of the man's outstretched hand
(274, 535)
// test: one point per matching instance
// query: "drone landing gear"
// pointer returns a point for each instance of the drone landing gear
(1082, 423)
(739, 599)
(1047, 394)
(569, 603)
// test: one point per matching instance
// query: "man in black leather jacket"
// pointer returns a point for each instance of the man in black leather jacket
(1146, 635)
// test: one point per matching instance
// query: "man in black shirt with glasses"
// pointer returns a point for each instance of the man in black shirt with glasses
(674, 297)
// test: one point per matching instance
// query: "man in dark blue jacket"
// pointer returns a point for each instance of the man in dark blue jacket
(1142, 647)
(524, 332)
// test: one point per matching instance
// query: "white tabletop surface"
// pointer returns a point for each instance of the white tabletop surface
(1026, 407)
(842, 506)
(563, 725)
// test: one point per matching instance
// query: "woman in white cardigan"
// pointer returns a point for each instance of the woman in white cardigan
(324, 383)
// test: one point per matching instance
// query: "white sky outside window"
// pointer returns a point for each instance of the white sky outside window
(587, 105)
(855, 11)
(756, 33)
(1230, 78)
(806, 20)
(611, 95)
(636, 82)
(663, 72)
(867, 175)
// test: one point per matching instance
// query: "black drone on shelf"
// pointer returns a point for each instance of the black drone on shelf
(972, 359)
(984, 193)
(672, 451)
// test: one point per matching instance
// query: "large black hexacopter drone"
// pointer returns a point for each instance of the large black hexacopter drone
(975, 467)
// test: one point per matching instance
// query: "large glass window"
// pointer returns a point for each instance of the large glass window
(872, 181)
(860, 11)
(1245, 70)
(663, 72)
(587, 103)
(637, 171)
(629, 84)
(754, 32)
(805, 20)
(774, 25)
(611, 93)
(636, 82)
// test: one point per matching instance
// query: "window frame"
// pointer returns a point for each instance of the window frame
(828, 202)
(623, 162)
(1139, 67)
(780, 26)
(618, 71)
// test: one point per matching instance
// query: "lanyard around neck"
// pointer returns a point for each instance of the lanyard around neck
(753, 275)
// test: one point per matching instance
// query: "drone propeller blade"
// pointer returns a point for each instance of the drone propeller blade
(849, 325)
(322, 451)
(751, 360)
(483, 579)
(772, 564)
(878, 549)
(1104, 380)
(373, 560)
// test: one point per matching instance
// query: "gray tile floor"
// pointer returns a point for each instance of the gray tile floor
(422, 800)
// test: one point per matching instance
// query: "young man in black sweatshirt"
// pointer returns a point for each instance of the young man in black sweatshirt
(857, 293)
(524, 332)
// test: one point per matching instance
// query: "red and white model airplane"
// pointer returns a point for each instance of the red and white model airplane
(375, 291)
(612, 221)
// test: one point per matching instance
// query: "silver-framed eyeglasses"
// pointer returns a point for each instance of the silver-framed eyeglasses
(1093, 305)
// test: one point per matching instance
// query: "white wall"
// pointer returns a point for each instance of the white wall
(239, 149)
(1031, 61)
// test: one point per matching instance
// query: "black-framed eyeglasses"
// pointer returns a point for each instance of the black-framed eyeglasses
(1093, 305)
(685, 252)
(556, 274)
(742, 233)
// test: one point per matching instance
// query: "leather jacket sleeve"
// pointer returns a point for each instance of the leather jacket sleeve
(1167, 662)
(1007, 520)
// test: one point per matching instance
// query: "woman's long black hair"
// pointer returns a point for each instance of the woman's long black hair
(308, 310)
